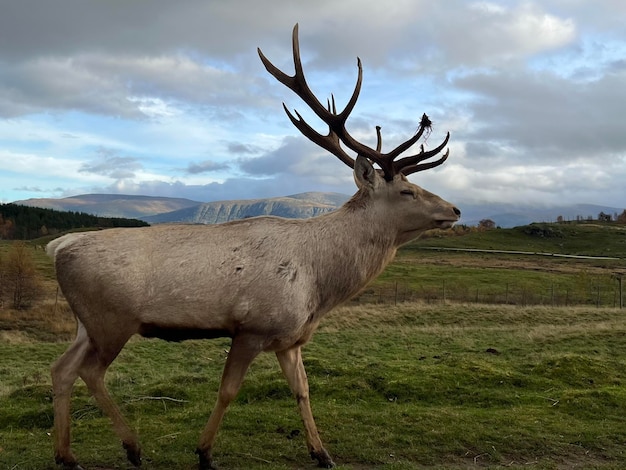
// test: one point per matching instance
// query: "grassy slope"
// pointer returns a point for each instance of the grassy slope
(574, 239)
(395, 387)
(520, 278)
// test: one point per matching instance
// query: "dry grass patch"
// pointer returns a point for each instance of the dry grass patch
(47, 321)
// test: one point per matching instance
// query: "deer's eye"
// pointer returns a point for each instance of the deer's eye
(407, 192)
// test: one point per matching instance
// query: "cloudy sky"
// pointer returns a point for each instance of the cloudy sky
(157, 97)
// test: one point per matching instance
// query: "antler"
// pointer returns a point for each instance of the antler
(336, 122)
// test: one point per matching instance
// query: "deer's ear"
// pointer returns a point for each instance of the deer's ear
(364, 173)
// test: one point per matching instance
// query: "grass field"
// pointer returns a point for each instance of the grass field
(422, 273)
(405, 387)
(435, 384)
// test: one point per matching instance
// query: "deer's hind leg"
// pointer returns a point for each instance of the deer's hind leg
(92, 371)
(84, 360)
(64, 373)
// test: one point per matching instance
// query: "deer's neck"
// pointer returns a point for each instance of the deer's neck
(353, 246)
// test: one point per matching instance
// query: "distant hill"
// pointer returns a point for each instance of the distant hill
(297, 206)
(169, 210)
(113, 205)
(19, 222)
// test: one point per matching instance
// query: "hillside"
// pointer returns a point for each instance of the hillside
(298, 206)
(170, 210)
(575, 238)
(18, 222)
(112, 205)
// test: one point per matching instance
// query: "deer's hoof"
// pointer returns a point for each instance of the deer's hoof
(72, 466)
(68, 462)
(133, 453)
(323, 458)
(205, 460)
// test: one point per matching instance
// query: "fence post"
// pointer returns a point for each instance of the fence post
(395, 300)
(619, 275)
(56, 301)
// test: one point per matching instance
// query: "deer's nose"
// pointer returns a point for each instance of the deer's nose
(457, 211)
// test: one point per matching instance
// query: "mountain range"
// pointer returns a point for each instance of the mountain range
(156, 210)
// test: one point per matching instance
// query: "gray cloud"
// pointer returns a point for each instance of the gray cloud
(276, 162)
(546, 116)
(114, 85)
(31, 189)
(243, 149)
(297, 158)
(206, 166)
(109, 163)
(46, 83)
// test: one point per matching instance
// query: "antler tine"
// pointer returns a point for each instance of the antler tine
(297, 82)
(407, 170)
(404, 146)
(329, 142)
(412, 160)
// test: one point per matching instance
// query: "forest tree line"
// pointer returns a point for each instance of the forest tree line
(18, 222)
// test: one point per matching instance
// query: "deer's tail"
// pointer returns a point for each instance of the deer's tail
(53, 247)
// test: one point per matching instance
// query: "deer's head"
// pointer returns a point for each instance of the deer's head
(387, 186)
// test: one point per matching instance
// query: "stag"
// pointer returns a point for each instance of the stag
(265, 282)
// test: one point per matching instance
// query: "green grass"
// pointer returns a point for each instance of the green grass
(495, 278)
(406, 387)
(419, 272)
(597, 239)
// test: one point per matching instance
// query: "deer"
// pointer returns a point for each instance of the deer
(264, 282)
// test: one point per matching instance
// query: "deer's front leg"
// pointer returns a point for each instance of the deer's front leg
(291, 363)
(239, 358)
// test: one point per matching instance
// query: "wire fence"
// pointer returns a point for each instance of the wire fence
(602, 294)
